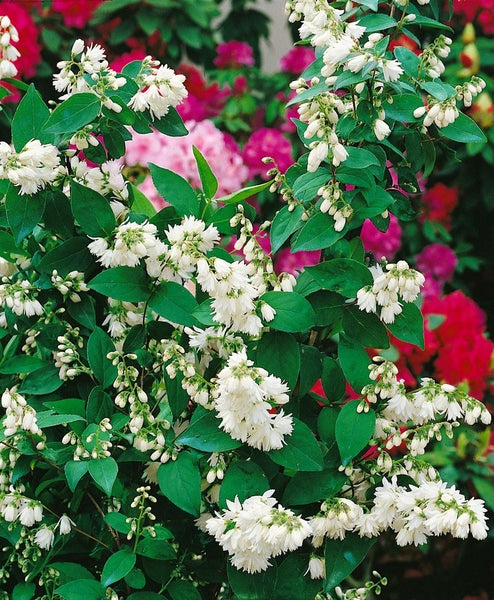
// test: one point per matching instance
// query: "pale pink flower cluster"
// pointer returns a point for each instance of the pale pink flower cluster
(244, 397)
(175, 153)
(254, 531)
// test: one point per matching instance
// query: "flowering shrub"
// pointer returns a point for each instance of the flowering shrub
(156, 390)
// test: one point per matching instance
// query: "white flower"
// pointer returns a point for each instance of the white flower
(65, 525)
(44, 538)
(318, 153)
(317, 567)
(391, 69)
(381, 129)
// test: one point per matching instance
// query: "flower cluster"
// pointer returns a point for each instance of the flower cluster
(399, 281)
(32, 168)
(254, 531)
(8, 53)
(244, 398)
(20, 297)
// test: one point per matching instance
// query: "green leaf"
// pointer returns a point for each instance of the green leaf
(82, 588)
(175, 190)
(353, 430)
(380, 22)
(279, 354)
(24, 212)
(365, 327)
(140, 203)
(402, 107)
(243, 479)
(438, 89)
(180, 482)
(74, 472)
(156, 548)
(360, 158)
(306, 488)
(343, 557)
(284, 224)
(8, 246)
(174, 303)
(171, 124)
(301, 451)
(28, 120)
(464, 129)
(310, 368)
(354, 362)
(118, 566)
(328, 306)
(293, 312)
(71, 255)
(98, 346)
(485, 488)
(208, 179)
(332, 379)
(244, 193)
(91, 210)
(409, 61)
(250, 586)
(342, 275)
(129, 284)
(73, 114)
(99, 405)
(104, 472)
(183, 590)
(293, 582)
(204, 433)
(24, 591)
(83, 312)
(70, 571)
(145, 596)
(42, 381)
(47, 419)
(117, 521)
(408, 326)
(22, 364)
(316, 234)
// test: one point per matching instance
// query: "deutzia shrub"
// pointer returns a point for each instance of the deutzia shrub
(158, 435)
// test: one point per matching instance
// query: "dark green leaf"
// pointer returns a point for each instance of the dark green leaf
(204, 433)
(175, 190)
(171, 124)
(328, 306)
(117, 521)
(250, 586)
(343, 557)
(365, 327)
(180, 482)
(118, 566)
(28, 120)
(464, 129)
(73, 114)
(24, 212)
(332, 379)
(98, 346)
(243, 479)
(310, 368)
(284, 224)
(83, 312)
(99, 405)
(174, 303)
(42, 381)
(293, 581)
(82, 588)
(91, 210)
(353, 430)
(316, 234)
(301, 451)
(408, 326)
(354, 362)
(306, 488)
(293, 312)
(129, 284)
(373, 23)
(183, 590)
(279, 354)
(71, 255)
(140, 203)
(74, 472)
(22, 364)
(402, 107)
(208, 179)
(156, 548)
(104, 472)
(342, 275)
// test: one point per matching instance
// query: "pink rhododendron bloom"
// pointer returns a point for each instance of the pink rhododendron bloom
(437, 261)
(267, 142)
(382, 243)
(203, 100)
(175, 153)
(297, 59)
(234, 54)
(75, 13)
(286, 262)
(438, 203)
(119, 63)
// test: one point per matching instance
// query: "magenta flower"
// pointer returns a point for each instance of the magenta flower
(233, 54)
(297, 59)
(382, 243)
(437, 261)
(267, 142)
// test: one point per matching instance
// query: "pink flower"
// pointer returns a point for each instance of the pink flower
(175, 153)
(121, 61)
(381, 243)
(267, 142)
(234, 54)
(286, 262)
(297, 59)
(203, 101)
(439, 202)
(75, 13)
(437, 261)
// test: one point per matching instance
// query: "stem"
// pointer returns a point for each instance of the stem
(113, 533)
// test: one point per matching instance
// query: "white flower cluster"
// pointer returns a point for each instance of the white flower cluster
(104, 179)
(31, 168)
(20, 297)
(67, 358)
(14, 506)
(159, 88)
(87, 71)
(121, 316)
(70, 285)
(398, 282)
(336, 517)
(8, 53)
(335, 205)
(254, 531)
(45, 535)
(430, 58)
(244, 397)
(18, 414)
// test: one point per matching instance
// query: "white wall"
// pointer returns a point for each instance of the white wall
(280, 41)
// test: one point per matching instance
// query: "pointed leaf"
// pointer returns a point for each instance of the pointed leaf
(284, 224)
(175, 190)
(91, 210)
(205, 434)
(174, 303)
(104, 472)
(353, 430)
(98, 346)
(408, 326)
(130, 284)
(180, 482)
(73, 114)
(317, 233)
(293, 312)
(243, 479)
(28, 120)
(24, 212)
(208, 178)
(118, 566)
(343, 557)
(301, 451)
(74, 472)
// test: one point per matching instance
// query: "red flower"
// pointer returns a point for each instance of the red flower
(438, 202)
(75, 13)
